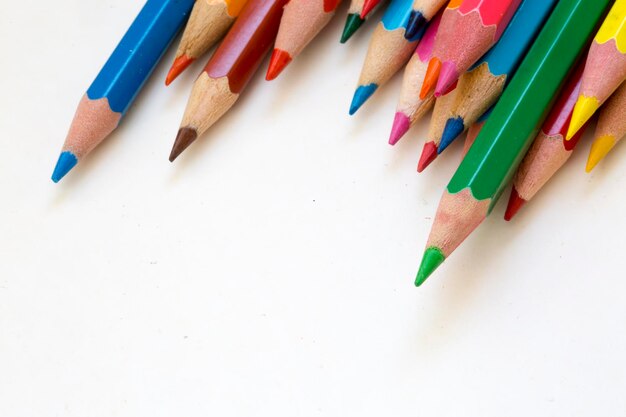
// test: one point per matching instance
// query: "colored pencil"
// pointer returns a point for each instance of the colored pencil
(482, 85)
(228, 71)
(611, 127)
(468, 29)
(388, 51)
(472, 134)
(605, 69)
(356, 17)
(514, 122)
(422, 12)
(441, 113)
(549, 151)
(302, 20)
(410, 106)
(113, 91)
(368, 6)
(208, 23)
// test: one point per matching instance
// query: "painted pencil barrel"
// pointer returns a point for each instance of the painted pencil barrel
(138, 52)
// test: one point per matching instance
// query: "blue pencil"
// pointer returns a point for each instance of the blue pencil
(388, 51)
(481, 87)
(113, 91)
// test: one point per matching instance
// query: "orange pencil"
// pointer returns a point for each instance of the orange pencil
(209, 21)
(302, 20)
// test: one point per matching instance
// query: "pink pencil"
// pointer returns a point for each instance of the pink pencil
(410, 106)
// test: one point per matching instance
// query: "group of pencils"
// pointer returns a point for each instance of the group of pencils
(522, 77)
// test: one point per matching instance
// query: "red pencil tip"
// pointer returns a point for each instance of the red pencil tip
(515, 203)
(368, 6)
(432, 74)
(180, 64)
(429, 154)
(280, 59)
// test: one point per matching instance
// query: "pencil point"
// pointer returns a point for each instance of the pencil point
(454, 127)
(447, 77)
(279, 60)
(515, 204)
(368, 6)
(584, 109)
(433, 257)
(362, 93)
(180, 64)
(400, 126)
(416, 23)
(184, 138)
(67, 160)
(353, 23)
(430, 79)
(599, 149)
(429, 154)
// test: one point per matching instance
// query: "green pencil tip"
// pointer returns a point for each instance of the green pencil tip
(433, 257)
(353, 22)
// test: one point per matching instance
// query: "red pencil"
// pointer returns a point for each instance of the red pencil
(228, 71)
(550, 150)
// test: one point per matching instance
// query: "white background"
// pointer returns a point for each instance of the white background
(269, 271)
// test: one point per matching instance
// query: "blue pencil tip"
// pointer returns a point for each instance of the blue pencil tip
(416, 23)
(66, 162)
(362, 93)
(454, 127)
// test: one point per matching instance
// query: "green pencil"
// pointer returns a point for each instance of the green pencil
(509, 131)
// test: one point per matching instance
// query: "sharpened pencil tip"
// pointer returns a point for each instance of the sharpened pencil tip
(67, 160)
(515, 204)
(583, 110)
(429, 154)
(184, 138)
(447, 77)
(279, 60)
(599, 149)
(433, 258)
(454, 127)
(361, 94)
(430, 79)
(417, 22)
(353, 23)
(401, 125)
(368, 6)
(180, 64)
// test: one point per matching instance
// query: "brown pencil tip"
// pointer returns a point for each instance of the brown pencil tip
(180, 64)
(430, 79)
(278, 62)
(185, 137)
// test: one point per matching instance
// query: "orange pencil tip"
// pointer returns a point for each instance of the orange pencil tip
(180, 64)
(430, 80)
(279, 60)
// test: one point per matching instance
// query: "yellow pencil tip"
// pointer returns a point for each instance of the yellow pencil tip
(584, 109)
(600, 148)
